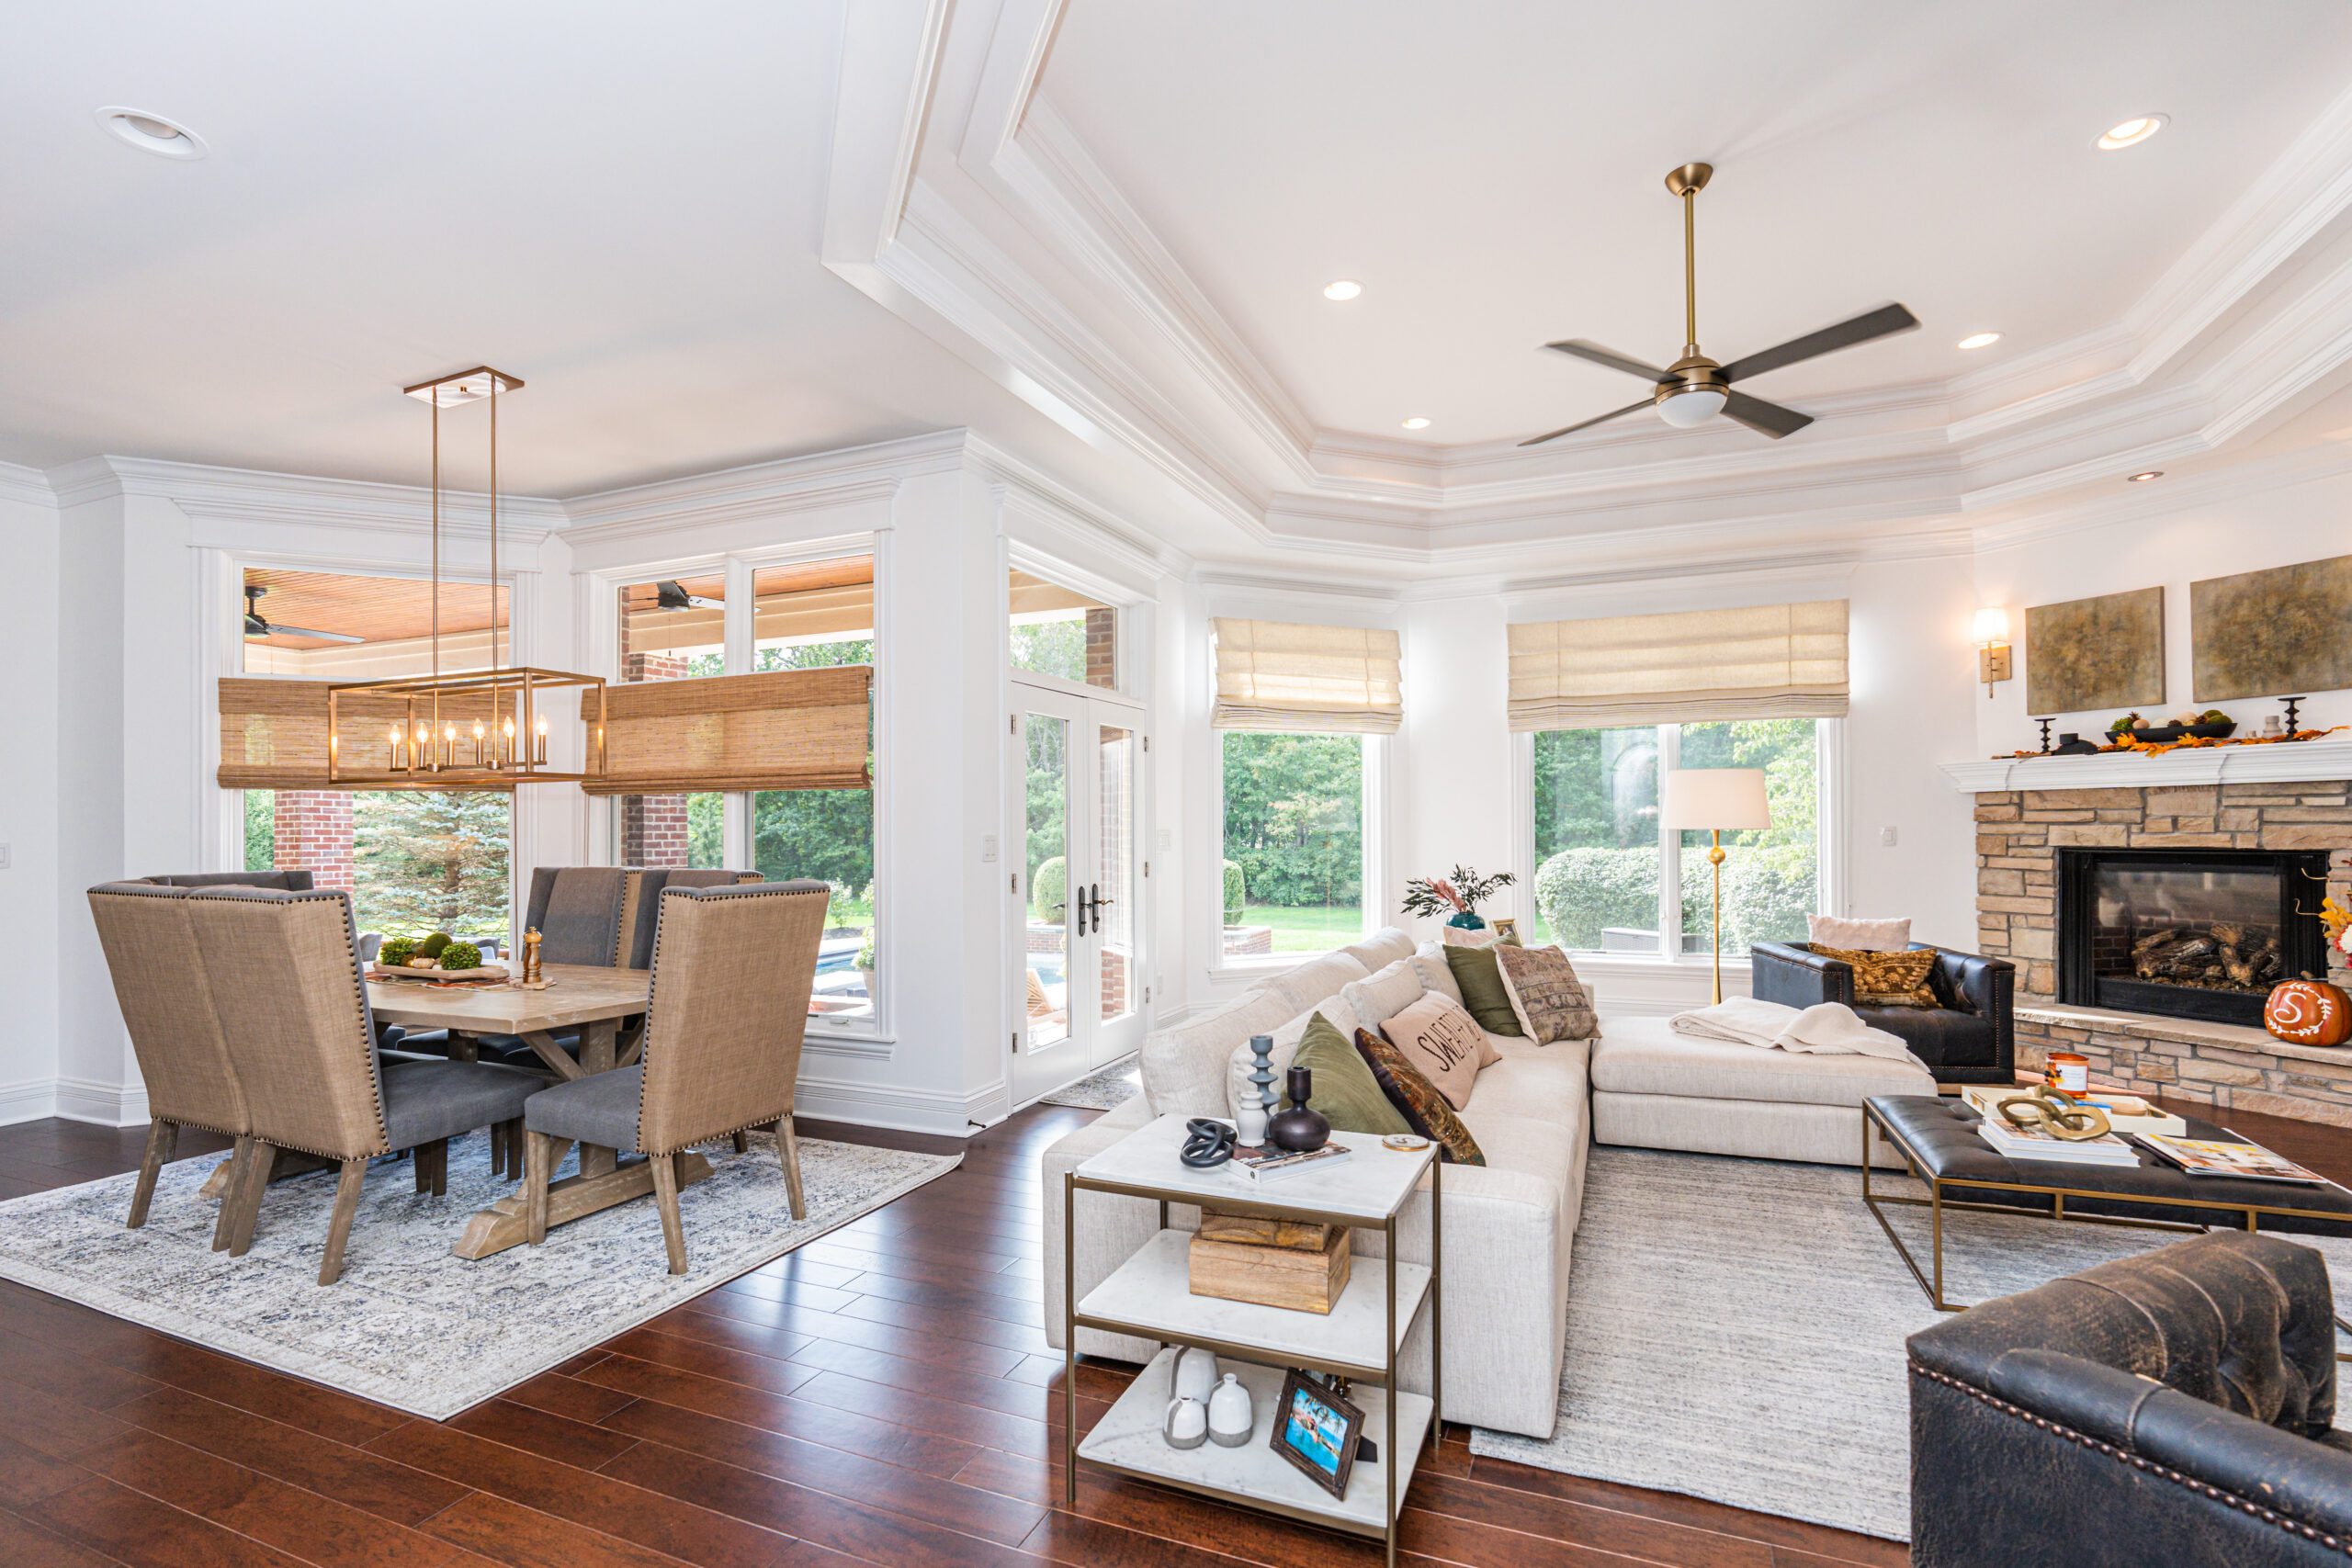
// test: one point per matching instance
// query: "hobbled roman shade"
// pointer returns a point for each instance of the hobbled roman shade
(274, 732)
(781, 729)
(1280, 675)
(1761, 662)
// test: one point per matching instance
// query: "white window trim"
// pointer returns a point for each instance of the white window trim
(1830, 852)
(601, 600)
(1378, 795)
(1125, 667)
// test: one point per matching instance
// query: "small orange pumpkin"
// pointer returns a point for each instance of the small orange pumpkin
(2308, 1012)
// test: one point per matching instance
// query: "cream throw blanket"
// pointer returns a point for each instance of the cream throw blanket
(1826, 1027)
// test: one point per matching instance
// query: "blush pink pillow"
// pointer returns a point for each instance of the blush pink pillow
(1440, 1039)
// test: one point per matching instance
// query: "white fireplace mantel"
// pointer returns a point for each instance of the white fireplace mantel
(2298, 761)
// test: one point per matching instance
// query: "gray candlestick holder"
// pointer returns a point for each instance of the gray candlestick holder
(1250, 1116)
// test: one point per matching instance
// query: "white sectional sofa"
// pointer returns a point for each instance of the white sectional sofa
(1536, 1113)
(1507, 1223)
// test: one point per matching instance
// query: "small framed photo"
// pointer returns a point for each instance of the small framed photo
(1506, 928)
(1319, 1432)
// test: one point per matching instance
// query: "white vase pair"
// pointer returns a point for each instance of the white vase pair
(1206, 1407)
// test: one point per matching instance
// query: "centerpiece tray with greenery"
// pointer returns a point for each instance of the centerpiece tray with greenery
(435, 958)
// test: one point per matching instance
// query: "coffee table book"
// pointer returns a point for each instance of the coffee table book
(1150, 1296)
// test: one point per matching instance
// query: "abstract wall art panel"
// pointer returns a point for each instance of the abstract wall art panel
(2107, 652)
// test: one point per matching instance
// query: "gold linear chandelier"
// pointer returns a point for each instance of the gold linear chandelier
(475, 729)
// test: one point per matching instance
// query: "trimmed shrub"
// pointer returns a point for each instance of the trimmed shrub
(1235, 893)
(1581, 891)
(1049, 887)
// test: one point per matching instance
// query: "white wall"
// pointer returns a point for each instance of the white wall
(28, 800)
(2170, 546)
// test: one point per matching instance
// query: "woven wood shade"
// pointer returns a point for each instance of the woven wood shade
(784, 729)
(1280, 675)
(274, 733)
(1761, 662)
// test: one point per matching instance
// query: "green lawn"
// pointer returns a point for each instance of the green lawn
(1307, 928)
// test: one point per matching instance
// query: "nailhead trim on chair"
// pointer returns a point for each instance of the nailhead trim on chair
(358, 995)
(741, 890)
(2203, 1489)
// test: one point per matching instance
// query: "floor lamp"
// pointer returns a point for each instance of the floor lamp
(1715, 801)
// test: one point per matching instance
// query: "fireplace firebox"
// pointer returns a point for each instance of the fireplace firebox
(2189, 933)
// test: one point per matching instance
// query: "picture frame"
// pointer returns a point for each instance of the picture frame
(1319, 1432)
(1506, 928)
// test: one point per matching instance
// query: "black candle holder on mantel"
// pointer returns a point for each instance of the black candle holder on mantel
(2046, 724)
(2294, 720)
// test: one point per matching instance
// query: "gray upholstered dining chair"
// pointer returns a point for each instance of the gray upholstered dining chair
(163, 988)
(733, 967)
(302, 1041)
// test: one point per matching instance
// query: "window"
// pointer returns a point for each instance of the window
(1294, 874)
(1060, 632)
(804, 616)
(1602, 866)
(414, 860)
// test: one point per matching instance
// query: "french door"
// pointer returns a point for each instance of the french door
(1076, 887)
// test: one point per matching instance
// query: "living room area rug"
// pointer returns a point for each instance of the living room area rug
(1105, 1091)
(410, 1323)
(1735, 1330)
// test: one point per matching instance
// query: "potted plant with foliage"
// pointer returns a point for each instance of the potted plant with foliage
(864, 963)
(1457, 896)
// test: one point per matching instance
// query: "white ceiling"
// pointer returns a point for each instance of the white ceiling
(619, 205)
(1492, 173)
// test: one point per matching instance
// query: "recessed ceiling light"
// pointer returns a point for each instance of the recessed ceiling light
(151, 132)
(1342, 288)
(1980, 340)
(2145, 475)
(1417, 423)
(2130, 132)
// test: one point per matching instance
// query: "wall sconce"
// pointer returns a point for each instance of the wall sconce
(1992, 648)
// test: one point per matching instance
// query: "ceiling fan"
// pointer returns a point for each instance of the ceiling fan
(259, 624)
(670, 594)
(1695, 388)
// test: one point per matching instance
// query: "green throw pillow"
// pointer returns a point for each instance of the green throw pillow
(1481, 979)
(1344, 1089)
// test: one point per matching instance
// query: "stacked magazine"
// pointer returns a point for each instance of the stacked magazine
(2038, 1144)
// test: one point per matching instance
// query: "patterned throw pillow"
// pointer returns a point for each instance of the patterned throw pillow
(1423, 1107)
(1440, 1039)
(1550, 1003)
(1888, 979)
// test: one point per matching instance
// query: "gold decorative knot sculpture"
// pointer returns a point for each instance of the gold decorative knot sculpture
(2056, 1114)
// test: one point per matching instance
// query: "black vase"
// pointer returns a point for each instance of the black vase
(1296, 1128)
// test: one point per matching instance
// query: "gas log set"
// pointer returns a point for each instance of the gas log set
(2223, 956)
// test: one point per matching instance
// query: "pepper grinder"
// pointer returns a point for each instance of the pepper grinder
(1250, 1116)
(531, 956)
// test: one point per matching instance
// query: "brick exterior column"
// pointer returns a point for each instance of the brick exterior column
(1103, 648)
(653, 827)
(314, 833)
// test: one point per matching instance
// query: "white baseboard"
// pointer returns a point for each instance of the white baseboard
(108, 1105)
(879, 1105)
(29, 1099)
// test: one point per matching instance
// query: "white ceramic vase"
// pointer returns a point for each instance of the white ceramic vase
(1196, 1375)
(1187, 1423)
(1231, 1418)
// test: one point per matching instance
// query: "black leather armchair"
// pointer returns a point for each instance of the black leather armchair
(2173, 1408)
(1972, 1038)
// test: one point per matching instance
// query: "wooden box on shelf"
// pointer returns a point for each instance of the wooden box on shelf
(1281, 1263)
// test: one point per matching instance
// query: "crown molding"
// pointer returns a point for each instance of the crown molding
(2254, 476)
(846, 477)
(210, 493)
(19, 482)
(1041, 498)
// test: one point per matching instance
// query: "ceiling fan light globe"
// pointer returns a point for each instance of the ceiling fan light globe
(1688, 406)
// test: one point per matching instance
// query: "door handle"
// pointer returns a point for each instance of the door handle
(1082, 912)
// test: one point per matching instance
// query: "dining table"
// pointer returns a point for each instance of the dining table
(606, 1008)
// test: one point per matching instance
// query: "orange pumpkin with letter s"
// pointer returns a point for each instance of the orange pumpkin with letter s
(2308, 1012)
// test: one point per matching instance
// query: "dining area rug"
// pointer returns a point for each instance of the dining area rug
(410, 1325)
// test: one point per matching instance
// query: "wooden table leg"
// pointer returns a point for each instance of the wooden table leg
(463, 1047)
(505, 1223)
(598, 1046)
(291, 1162)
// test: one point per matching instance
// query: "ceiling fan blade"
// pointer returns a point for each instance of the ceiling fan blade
(1585, 425)
(1883, 321)
(310, 631)
(1597, 355)
(1765, 419)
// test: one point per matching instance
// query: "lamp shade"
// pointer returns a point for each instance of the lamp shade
(1992, 626)
(1723, 798)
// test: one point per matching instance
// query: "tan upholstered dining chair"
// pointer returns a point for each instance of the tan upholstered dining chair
(163, 988)
(733, 969)
(294, 1016)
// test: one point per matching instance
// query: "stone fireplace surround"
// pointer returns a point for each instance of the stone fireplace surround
(2227, 1066)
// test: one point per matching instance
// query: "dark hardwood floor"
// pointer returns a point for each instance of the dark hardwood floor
(884, 1394)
